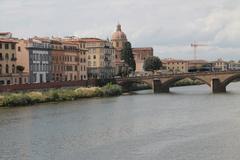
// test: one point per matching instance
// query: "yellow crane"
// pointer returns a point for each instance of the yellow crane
(195, 46)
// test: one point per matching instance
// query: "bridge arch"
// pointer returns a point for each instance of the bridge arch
(172, 81)
(148, 82)
(227, 81)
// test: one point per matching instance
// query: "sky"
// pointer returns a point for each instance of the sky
(169, 26)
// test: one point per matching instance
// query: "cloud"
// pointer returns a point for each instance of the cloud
(169, 26)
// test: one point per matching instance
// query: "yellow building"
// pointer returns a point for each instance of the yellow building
(100, 58)
(8, 63)
(21, 54)
(175, 66)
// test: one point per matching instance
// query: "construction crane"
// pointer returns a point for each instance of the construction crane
(195, 46)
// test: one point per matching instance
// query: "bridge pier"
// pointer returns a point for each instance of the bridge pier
(158, 87)
(217, 86)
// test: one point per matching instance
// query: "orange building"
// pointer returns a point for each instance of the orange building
(58, 64)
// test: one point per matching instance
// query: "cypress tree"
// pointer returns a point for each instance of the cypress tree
(127, 56)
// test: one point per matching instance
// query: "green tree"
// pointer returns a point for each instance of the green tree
(127, 56)
(152, 63)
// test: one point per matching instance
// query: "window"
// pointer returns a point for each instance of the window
(94, 63)
(13, 46)
(89, 63)
(7, 68)
(13, 57)
(94, 56)
(0, 45)
(13, 68)
(1, 57)
(0, 69)
(6, 56)
(6, 46)
(89, 57)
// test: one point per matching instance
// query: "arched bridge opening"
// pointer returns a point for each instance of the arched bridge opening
(234, 78)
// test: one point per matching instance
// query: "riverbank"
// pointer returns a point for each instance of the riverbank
(58, 95)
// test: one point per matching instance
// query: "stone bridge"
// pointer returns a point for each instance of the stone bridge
(217, 81)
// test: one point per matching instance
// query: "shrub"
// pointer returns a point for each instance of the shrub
(87, 92)
(36, 97)
(111, 90)
(18, 99)
(66, 95)
(52, 95)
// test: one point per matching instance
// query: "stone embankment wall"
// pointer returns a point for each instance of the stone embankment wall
(42, 86)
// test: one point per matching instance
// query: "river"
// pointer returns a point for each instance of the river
(190, 123)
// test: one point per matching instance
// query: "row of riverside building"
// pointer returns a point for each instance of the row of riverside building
(184, 66)
(56, 59)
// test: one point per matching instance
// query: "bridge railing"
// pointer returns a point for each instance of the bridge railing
(176, 75)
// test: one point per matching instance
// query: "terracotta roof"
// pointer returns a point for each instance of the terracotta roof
(173, 60)
(8, 40)
(119, 34)
(198, 61)
(5, 33)
(91, 40)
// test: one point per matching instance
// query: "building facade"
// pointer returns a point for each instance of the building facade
(40, 60)
(81, 56)
(58, 63)
(9, 73)
(175, 66)
(140, 54)
(100, 58)
(232, 65)
(220, 65)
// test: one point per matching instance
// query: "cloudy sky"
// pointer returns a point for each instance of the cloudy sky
(170, 26)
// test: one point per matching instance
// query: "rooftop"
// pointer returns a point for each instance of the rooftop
(91, 39)
(8, 40)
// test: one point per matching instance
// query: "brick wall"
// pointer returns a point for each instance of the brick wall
(39, 86)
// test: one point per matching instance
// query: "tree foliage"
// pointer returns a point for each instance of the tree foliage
(152, 63)
(127, 56)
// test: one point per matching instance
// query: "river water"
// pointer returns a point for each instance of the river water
(190, 123)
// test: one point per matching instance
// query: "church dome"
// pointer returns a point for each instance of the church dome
(119, 35)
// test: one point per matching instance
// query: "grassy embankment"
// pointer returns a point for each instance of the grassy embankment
(57, 95)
